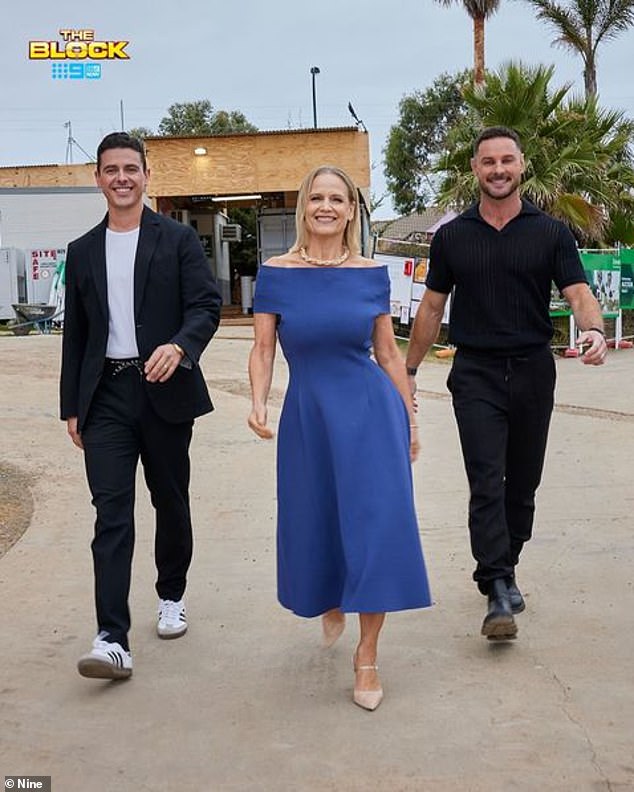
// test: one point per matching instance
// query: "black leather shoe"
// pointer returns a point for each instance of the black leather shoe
(499, 624)
(515, 596)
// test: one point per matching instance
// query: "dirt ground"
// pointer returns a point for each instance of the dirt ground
(16, 505)
(248, 701)
(16, 499)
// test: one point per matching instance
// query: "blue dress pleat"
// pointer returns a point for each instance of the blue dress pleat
(347, 534)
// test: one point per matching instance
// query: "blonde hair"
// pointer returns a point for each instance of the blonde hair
(352, 234)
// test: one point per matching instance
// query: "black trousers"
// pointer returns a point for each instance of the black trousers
(503, 408)
(121, 428)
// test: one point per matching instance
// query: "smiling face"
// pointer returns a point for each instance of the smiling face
(498, 166)
(121, 178)
(329, 207)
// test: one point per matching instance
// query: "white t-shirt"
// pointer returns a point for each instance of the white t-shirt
(120, 254)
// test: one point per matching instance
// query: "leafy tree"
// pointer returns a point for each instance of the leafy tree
(578, 160)
(140, 132)
(415, 143)
(244, 254)
(227, 121)
(479, 11)
(200, 118)
(376, 201)
(581, 25)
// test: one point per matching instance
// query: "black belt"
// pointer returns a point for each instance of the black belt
(519, 353)
(114, 366)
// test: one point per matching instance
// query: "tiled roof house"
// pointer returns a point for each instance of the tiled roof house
(416, 227)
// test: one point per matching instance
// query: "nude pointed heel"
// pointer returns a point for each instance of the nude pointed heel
(367, 699)
(332, 629)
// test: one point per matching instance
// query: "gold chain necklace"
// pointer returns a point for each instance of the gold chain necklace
(324, 262)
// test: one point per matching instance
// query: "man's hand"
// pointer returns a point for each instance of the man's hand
(71, 426)
(593, 346)
(162, 363)
(411, 381)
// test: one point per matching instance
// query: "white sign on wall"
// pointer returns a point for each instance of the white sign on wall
(400, 271)
(43, 271)
(407, 286)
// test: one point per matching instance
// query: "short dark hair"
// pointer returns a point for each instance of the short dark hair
(121, 140)
(496, 132)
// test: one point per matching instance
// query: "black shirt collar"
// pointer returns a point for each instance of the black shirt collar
(473, 212)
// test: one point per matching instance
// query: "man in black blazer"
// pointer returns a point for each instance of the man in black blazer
(141, 306)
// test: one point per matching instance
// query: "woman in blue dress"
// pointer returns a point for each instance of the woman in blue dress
(347, 536)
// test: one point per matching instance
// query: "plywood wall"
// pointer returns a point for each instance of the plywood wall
(48, 176)
(233, 165)
(248, 164)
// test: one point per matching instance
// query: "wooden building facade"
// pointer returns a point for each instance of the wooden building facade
(199, 180)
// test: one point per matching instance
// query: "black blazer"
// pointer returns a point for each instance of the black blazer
(175, 300)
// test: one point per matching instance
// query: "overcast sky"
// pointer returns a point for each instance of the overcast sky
(255, 56)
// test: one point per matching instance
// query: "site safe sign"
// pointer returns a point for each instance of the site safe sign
(78, 55)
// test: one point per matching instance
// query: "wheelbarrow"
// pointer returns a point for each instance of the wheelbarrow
(30, 315)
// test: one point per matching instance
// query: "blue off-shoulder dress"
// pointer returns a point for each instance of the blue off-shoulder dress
(347, 534)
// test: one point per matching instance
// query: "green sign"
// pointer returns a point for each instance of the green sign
(603, 271)
(558, 305)
(627, 279)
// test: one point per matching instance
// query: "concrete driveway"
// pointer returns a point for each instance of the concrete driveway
(249, 700)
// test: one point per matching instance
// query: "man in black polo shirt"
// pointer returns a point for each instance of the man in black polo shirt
(499, 258)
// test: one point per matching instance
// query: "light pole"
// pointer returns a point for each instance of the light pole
(314, 70)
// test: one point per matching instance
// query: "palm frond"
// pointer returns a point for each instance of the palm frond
(476, 9)
(567, 22)
(579, 160)
(616, 16)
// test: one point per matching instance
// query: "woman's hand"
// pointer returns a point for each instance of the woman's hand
(257, 423)
(414, 444)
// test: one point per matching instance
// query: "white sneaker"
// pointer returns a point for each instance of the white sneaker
(172, 621)
(106, 660)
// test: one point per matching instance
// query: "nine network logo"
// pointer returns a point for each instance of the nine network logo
(76, 71)
(73, 58)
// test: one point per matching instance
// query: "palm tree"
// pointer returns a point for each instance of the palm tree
(578, 163)
(479, 11)
(581, 25)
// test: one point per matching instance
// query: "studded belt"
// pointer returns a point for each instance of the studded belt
(114, 366)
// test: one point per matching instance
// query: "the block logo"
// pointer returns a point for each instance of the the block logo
(73, 58)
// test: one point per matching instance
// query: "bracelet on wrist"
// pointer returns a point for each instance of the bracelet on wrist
(179, 349)
(596, 330)
(411, 371)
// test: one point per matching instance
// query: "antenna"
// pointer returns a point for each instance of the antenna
(70, 142)
(359, 122)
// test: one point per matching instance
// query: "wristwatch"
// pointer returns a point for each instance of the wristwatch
(411, 372)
